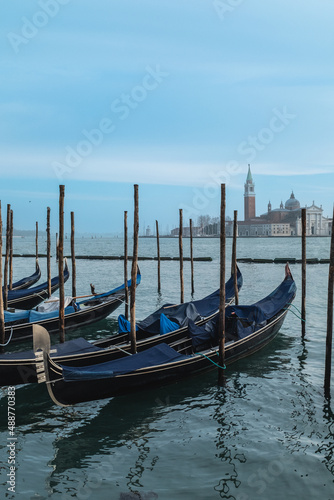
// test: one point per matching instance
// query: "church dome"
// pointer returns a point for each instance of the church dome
(292, 203)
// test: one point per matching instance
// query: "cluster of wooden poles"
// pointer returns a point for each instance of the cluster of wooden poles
(8, 270)
(8, 267)
(8, 273)
(221, 377)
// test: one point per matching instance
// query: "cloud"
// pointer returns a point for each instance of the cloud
(225, 79)
(291, 169)
(154, 167)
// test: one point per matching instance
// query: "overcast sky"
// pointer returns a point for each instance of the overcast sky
(175, 95)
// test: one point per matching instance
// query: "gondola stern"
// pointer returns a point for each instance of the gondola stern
(38, 272)
(240, 279)
(288, 273)
(138, 279)
(66, 269)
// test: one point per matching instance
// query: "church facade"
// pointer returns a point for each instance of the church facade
(283, 221)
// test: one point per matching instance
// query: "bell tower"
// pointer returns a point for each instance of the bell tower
(249, 197)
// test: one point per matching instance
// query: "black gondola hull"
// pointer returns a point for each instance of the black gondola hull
(69, 393)
(27, 282)
(14, 372)
(23, 371)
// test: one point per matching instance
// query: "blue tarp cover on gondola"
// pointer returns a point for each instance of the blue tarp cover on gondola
(181, 314)
(111, 292)
(241, 321)
(35, 316)
(19, 315)
(157, 355)
(267, 307)
(124, 325)
(166, 325)
(204, 336)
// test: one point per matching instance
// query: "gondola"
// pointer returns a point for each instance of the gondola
(27, 282)
(77, 314)
(19, 367)
(30, 298)
(248, 329)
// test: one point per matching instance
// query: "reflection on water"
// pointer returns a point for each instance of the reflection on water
(269, 434)
(106, 429)
(160, 301)
(226, 441)
(326, 448)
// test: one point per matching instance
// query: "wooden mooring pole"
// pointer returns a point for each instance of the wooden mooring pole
(158, 256)
(303, 318)
(134, 272)
(2, 320)
(5, 284)
(181, 255)
(234, 271)
(126, 288)
(11, 234)
(191, 256)
(329, 336)
(221, 374)
(48, 250)
(61, 265)
(57, 247)
(36, 240)
(74, 271)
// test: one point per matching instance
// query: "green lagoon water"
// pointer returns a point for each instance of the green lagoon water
(268, 435)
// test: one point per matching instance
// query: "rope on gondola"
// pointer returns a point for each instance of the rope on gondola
(117, 347)
(123, 301)
(204, 356)
(37, 295)
(290, 304)
(55, 380)
(293, 312)
(10, 338)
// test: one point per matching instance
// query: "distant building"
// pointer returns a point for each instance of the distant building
(316, 223)
(249, 197)
(197, 231)
(282, 221)
(213, 229)
(263, 228)
(148, 231)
